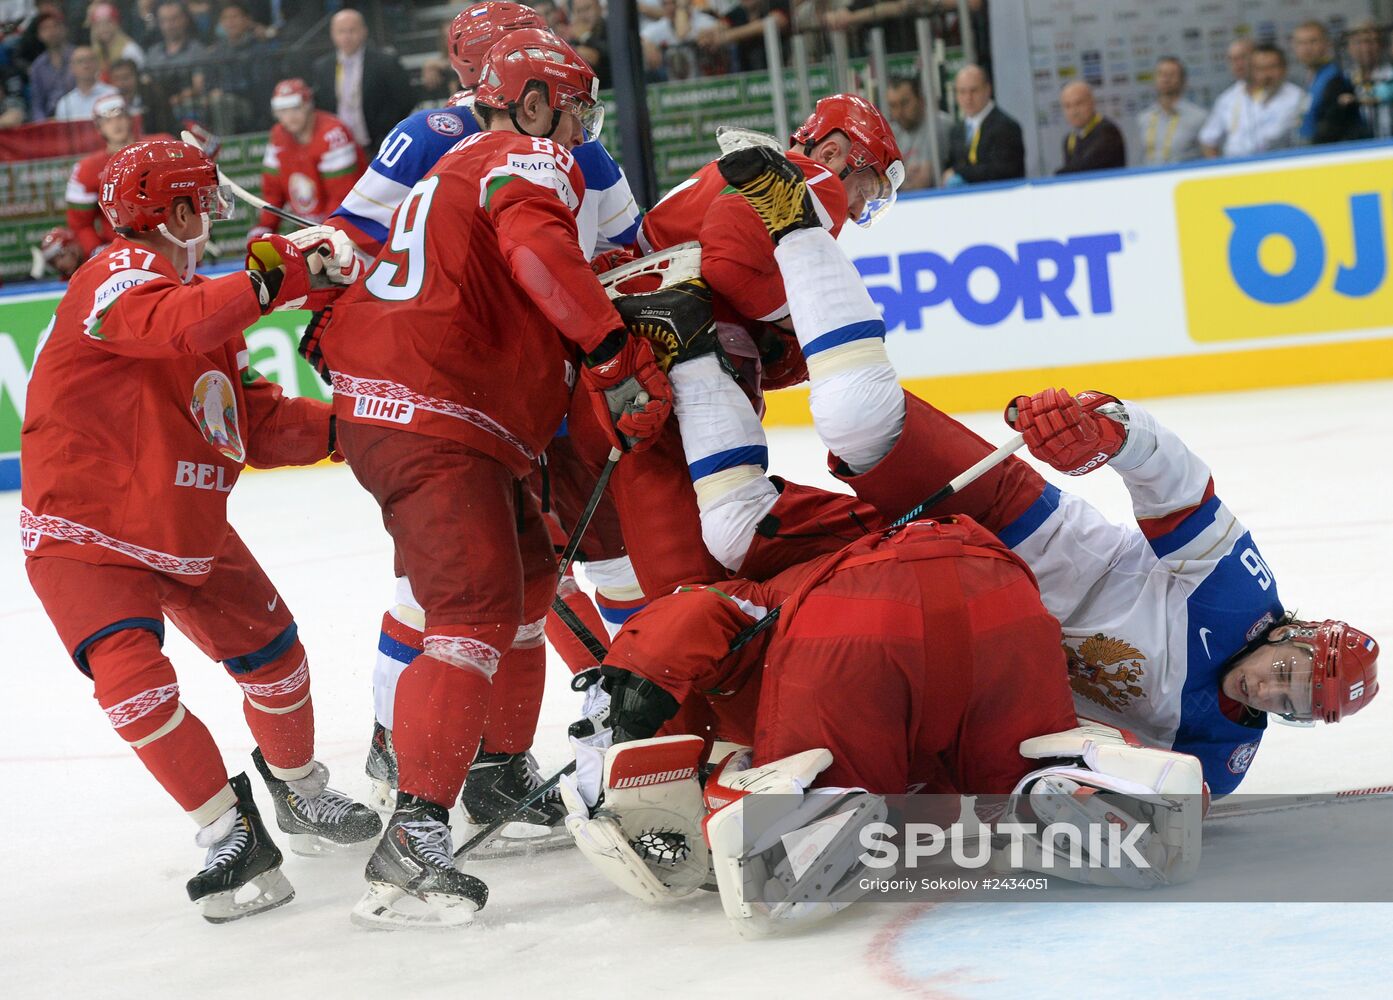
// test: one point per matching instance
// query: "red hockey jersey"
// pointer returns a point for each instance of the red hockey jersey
(84, 217)
(141, 413)
(737, 254)
(310, 179)
(454, 330)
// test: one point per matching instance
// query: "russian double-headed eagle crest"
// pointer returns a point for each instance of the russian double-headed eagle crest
(1106, 671)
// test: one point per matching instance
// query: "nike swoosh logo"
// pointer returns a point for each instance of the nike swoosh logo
(271, 605)
(1204, 638)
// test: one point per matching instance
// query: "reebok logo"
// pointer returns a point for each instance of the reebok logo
(1093, 463)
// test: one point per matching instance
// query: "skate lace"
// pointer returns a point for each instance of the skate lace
(224, 851)
(432, 841)
(328, 807)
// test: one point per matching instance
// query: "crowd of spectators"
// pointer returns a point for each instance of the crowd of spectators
(1328, 95)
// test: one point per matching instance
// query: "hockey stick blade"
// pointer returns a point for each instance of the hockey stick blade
(1253, 805)
(960, 482)
(531, 799)
(243, 193)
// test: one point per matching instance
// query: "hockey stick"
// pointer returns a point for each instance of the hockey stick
(960, 482)
(563, 611)
(243, 193)
(1258, 804)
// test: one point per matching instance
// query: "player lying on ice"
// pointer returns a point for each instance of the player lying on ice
(485, 317)
(504, 771)
(142, 413)
(1172, 626)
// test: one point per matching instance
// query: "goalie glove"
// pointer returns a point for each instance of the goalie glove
(1137, 809)
(641, 828)
(677, 321)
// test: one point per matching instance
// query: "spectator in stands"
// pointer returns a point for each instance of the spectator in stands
(108, 40)
(1372, 77)
(203, 14)
(915, 128)
(77, 103)
(339, 79)
(1332, 112)
(145, 24)
(670, 42)
(438, 83)
(172, 60)
(987, 144)
(240, 74)
(1170, 127)
(586, 33)
(50, 75)
(1093, 142)
(744, 32)
(13, 108)
(1260, 117)
(552, 13)
(143, 97)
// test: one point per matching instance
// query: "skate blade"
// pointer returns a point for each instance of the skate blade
(272, 890)
(523, 839)
(382, 797)
(311, 845)
(389, 907)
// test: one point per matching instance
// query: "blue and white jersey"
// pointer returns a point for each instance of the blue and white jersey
(1152, 612)
(410, 150)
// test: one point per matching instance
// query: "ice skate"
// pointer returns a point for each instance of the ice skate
(318, 819)
(412, 879)
(775, 188)
(381, 769)
(240, 854)
(497, 782)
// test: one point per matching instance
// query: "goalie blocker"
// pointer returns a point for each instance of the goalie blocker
(784, 854)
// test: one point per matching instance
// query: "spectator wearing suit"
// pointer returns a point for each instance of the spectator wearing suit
(50, 75)
(1170, 127)
(1332, 114)
(987, 144)
(1372, 76)
(365, 87)
(1093, 142)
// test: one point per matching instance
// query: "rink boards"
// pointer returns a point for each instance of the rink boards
(1210, 278)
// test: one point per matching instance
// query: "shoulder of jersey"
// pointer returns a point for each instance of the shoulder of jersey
(449, 123)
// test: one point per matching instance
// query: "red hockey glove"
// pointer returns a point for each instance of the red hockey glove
(1065, 432)
(284, 270)
(630, 393)
(611, 259)
(781, 358)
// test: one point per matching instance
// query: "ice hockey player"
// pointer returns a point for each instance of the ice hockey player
(58, 251)
(608, 215)
(142, 412)
(1173, 627)
(699, 504)
(441, 413)
(311, 160)
(113, 121)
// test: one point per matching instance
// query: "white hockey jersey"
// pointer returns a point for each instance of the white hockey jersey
(1152, 613)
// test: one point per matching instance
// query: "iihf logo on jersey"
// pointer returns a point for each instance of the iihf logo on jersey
(214, 409)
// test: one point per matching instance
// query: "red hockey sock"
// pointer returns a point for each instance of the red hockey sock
(136, 687)
(279, 711)
(438, 719)
(516, 698)
(567, 645)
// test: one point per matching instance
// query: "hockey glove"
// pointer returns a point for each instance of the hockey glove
(1068, 433)
(611, 259)
(281, 272)
(630, 393)
(677, 321)
(780, 358)
(342, 266)
(637, 707)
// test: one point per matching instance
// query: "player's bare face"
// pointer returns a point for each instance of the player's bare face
(1275, 677)
(116, 130)
(296, 121)
(569, 132)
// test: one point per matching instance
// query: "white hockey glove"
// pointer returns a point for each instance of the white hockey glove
(336, 253)
(645, 836)
(800, 861)
(1143, 807)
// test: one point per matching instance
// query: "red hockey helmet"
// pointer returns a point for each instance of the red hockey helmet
(140, 184)
(1344, 666)
(475, 29)
(57, 240)
(520, 58)
(873, 147)
(292, 93)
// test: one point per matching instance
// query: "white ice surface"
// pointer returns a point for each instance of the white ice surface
(95, 855)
